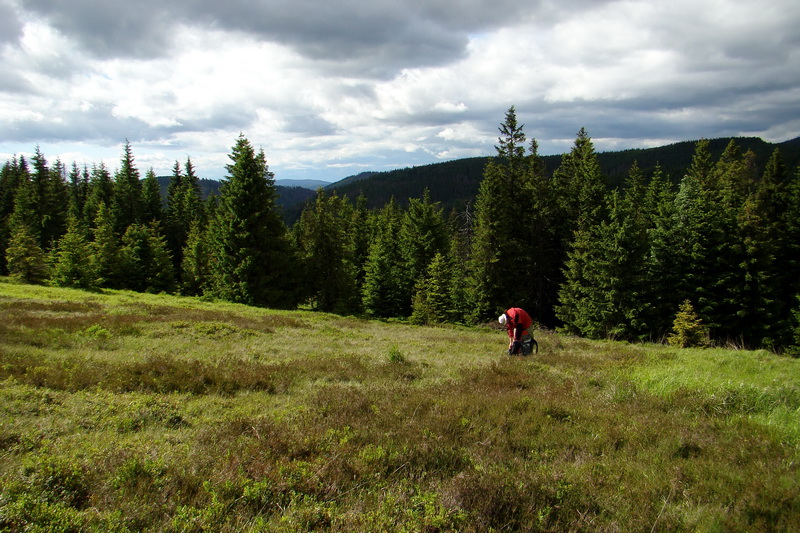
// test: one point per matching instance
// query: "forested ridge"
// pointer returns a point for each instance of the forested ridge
(600, 245)
(454, 182)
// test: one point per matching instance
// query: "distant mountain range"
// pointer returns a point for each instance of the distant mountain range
(288, 196)
(305, 184)
(454, 183)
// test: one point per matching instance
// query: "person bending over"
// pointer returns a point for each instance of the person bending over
(518, 323)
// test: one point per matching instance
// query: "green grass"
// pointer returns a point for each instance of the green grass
(133, 412)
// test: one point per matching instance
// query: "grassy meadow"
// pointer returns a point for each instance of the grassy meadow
(131, 412)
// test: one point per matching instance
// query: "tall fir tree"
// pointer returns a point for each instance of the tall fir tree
(145, 264)
(151, 210)
(545, 263)
(78, 192)
(664, 271)
(605, 292)
(359, 230)
(501, 271)
(383, 294)
(24, 255)
(72, 266)
(252, 259)
(432, 303)
(127, 200)
(192, 197)
(195, 273)
(423, 234)
(789, 259)
(329, 271)
(105, 249)
(12, 175)
(706, 251)
(580, 189)
(579, 204)
(177, 232)
(101, 192)
(184, 208)
(49, 193)
(761, 235)
(25, 213)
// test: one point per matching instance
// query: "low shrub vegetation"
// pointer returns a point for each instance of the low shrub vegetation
(127, 412)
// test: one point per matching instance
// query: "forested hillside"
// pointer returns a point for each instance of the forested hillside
(454, 182)
(694, 243)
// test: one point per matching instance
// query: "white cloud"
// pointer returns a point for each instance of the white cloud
(341, 86)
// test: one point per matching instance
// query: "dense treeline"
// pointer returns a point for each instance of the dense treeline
(721, 245)
(455, 182)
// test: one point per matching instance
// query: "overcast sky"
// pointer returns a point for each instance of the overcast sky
(330, 89)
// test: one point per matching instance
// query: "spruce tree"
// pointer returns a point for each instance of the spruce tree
(605, 294)
(101, 191)
(688, 330)
(71, 264)
(191, 195)
(145, 264)
(460, 226)
(174, 192)
(12, 175)
(789, 261)
(423, 234)
(501, 271)
(184, 207)
(383, 293)
(127, 200)
(252, 260)
(706, 252)
(765, 279)
(195, 273)
(359, 229)
(25, 211)
(578, 306)
(580, 189)
(78, 192)
(662, 271)
(326, 254)
(152, 209)
(49, 193)
(545, 263)
(579, 201)
(105, 249)
(628, 251)
(432, 302)
(24, 256)
(177, 231)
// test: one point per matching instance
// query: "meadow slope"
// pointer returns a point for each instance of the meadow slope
(131, 412)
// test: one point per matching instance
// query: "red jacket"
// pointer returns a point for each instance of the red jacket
(518, 324)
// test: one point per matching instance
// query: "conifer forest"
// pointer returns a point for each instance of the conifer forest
(718, 245)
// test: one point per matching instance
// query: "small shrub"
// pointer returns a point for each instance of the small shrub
(26, 512)
(58, 479)
(688, 329)
(395, 356)
(96, 331)
(25, 258)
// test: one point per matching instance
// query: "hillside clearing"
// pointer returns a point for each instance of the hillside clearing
(131, 412)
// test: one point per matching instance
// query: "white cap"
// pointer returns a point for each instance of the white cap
(502, 319)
